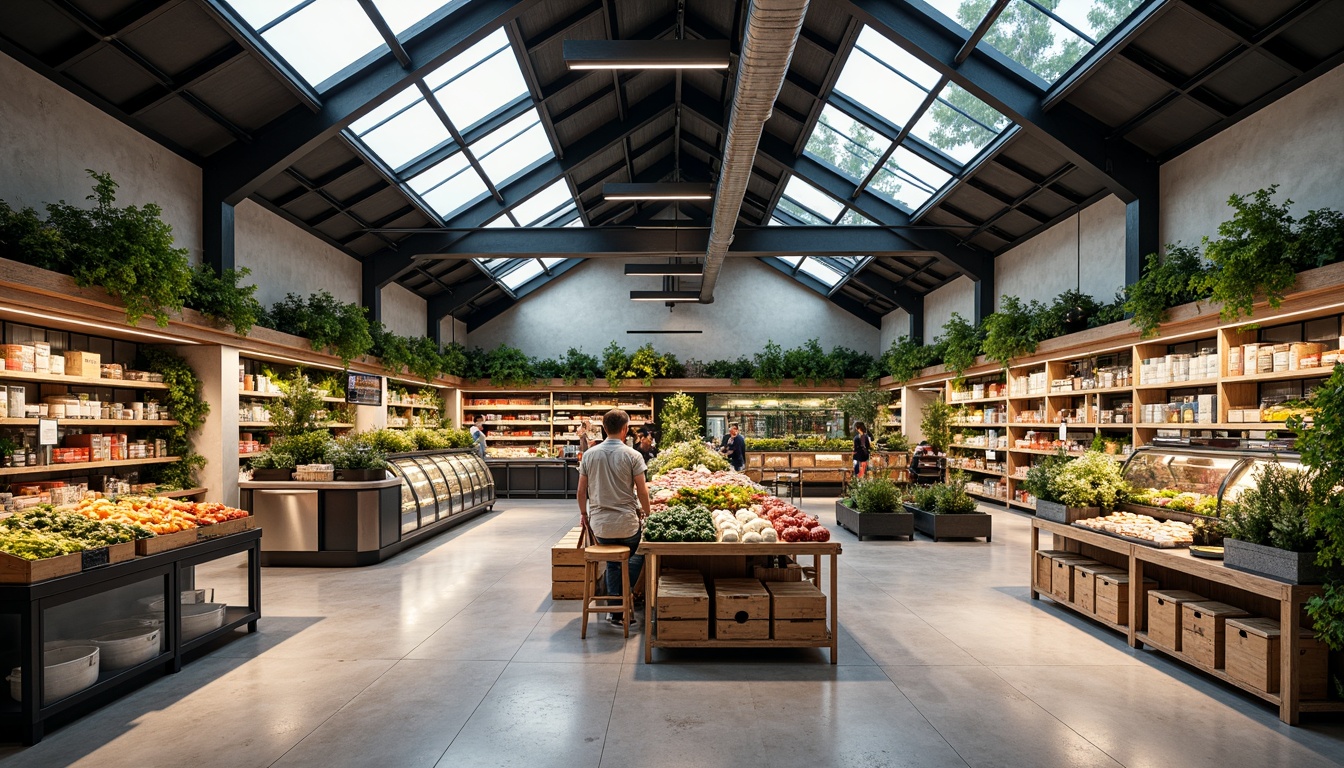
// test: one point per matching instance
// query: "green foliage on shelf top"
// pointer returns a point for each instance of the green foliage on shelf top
(769, 365)
(1177, 277)
(961, 343)
(508, 367)
(326, 322)
(905, 358)
(647, 364)
(616, 365)
(220, 296)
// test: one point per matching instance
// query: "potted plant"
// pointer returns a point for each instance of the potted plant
(947, 511)
(271, 465)
(1321, 450)
(1267, 530)
(1079, 488)
(872, 507)
(357, 460)
(937, 424)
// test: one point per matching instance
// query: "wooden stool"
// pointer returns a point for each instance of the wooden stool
(605, 553)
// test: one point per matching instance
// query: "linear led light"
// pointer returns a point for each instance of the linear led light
(663, 190)
(663, 270)
(113, 330)
(664, 295)
(646, 54)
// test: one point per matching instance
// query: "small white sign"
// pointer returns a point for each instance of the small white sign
(1063, 431)
(991, 455)
(46, 432)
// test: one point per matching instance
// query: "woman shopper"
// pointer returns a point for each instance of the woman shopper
(863, 445)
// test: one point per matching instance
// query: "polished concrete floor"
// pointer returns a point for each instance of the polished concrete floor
(453, 654)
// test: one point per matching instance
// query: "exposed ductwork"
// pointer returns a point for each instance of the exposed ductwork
(771, 33)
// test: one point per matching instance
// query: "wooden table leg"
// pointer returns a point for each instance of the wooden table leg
(1136, 598)
(1290, 688)
(1031, 578)
(835, 610)
(650, 600)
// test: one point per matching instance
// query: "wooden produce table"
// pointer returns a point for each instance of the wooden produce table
(1178, 569)
(654, 551)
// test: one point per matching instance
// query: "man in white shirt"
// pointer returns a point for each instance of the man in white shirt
(614, 499)
(478, 435)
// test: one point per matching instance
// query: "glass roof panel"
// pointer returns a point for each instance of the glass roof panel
(845, 143)
(530, 211)
(483, 90)
(454, 194)
(323, 38)
(515, 151)
(967, 13)
(792, 261)
(460, 63)
(386, 110)
(875, 86)
(813, 199)
(501, 135)
(909, 179)
(1036, 41)
(259, 13)
(401, 15)
(577, 222)
(827, 274)
(959, 123)
(801, 213)
(438, 173)
(525, 271)
(895, 57)
(551, 262)
(407, 136)
(500, 222)
(854, 218)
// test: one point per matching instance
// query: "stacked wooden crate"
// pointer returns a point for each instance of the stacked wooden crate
(741, 610)
(567, 568)
(797, 611)
(683, 606)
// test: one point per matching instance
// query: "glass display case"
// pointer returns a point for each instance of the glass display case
(1195, 481)
(436, 486)
(776, 415)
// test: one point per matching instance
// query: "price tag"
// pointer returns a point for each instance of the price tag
(1063, 431)
(46, 432)
(991, 455)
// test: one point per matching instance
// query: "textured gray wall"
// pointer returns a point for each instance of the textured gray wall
(48, 136)
(1048, 264)
(285, 259)
(403, 311)
(956, 296)
(590, 305)
(895, 324)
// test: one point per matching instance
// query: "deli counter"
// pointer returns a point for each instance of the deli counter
(1182, 483)
(344, 524)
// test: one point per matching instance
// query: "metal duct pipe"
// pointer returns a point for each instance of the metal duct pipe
(771, 33)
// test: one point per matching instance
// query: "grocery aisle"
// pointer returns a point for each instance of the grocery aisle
(453, 654)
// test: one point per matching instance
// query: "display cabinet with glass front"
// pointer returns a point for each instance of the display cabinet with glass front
(779, 416)
(1193, 481)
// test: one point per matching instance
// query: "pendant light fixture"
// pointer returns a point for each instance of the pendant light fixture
(1076, 318)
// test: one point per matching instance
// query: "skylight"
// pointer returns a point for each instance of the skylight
(885, 79)
(401, 15)
(811, 201)
(533, 210)
(821, 271)
(319, 38)
(526, 270)
(509, 149)
(1047, 37)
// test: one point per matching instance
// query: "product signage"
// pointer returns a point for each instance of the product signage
(46, 432)
(364, 389)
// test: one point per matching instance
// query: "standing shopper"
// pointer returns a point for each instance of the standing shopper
(585, 427)
(478, 435)
(863, 446)
(734, 448)
(613, 499)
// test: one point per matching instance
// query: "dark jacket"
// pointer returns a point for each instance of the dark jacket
(863, 445)
(737, 449)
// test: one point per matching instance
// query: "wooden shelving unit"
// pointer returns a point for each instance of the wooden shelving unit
(555, 413)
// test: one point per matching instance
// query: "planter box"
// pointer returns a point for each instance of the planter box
(1292, 567)
(968, 526)
(271, 475)
(358, 475)
(1052, 510)
(875, 523)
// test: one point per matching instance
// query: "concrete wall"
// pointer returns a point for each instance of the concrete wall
(49, 136)
(1296, 143)
(452, 329)
(1048, 264)
(956, 296)
(285, 259)
(895, 324)
(403, 311)
(590, 306)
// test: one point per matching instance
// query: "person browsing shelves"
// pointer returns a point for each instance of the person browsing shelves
(614, 499)
(734, 448)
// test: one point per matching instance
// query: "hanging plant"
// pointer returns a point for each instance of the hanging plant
(392, 350)
(1254, 254)
(326, 322)
(454, 359)
(1009, 331)
(188, 407)
(961, 343)
(1179, 277)
(426, 362)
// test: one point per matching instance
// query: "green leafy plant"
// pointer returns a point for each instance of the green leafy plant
(326, 322)
(680, 419)
(1179, 277)
(1255, 253)
(906, 358)
(508, 367)
(426, 361)
(1327, 616)
(936, 423)
(1321, 446)
(961, 343)
(893, 441)
(392, 350)
(1275, 512)
(1090, 480)
(354, 451)
(951, 498)
(686, 455)
(127, 252)
(273, 459)
(733, 370)
(428, 439)
(578, 366)
(26, 238)
(305, 447)
(1010, 332)
(648, 365)
(616, 366)
(769, 365)
(875, 494)
(188, 407)
(297, 409)
(218, 295)
(1040, 477)
(389, 441)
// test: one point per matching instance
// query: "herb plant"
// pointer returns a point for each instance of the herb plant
(680, 419)
(1091, 480)
(769, 365)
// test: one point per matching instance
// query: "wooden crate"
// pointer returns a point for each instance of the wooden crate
(682, 597)
(1202, 628)
(775, 460)
(567, 590)
(165, 542)
(683, 629)
(1045, 564)
(1112, 596)
(741, 600)
(567, 573)
(754, 629)
(1164, 615)
(1252, 656)
(1061, 575)
(796, 600)
(792, 572)
(798, 629)
(120, 553)
(805, 460)
(839, 460)
(226, 528)
(16, 570)
(1085, 585)
(568, 550)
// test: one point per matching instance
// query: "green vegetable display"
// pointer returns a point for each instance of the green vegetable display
(732, 497)
(42, 533)
(686, 456)
(680, 524)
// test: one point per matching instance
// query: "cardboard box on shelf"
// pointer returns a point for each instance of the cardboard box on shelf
(83, 364)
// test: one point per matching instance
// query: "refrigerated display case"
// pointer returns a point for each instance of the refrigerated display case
(1184, 483)
(360, 523)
